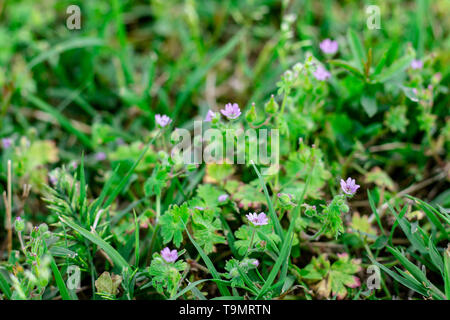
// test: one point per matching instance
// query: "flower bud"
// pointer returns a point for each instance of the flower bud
(43, 228)
(250, 116)
(162, 155)
(271, 106)
(285, 199)
(19, 224)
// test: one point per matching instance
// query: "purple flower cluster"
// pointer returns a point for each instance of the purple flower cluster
(162, 120)
(329, 46)
(349, 187)
(258, 219)
(168, 255)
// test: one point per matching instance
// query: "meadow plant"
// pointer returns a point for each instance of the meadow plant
(127, 174)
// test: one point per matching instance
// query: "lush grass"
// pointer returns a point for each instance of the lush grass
(77, 119)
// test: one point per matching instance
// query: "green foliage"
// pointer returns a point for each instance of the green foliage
(205, 225)
(173, 223)
(334, 278)
(166, 276)
(97, 185)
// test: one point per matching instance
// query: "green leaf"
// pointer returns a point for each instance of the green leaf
(447, 273)
(435, 256)
(107, 284)
(165, 275)
(156, 182)
(357, 49)
(272, 214)
(244, 234)
(395, 69)
(347, 66)
(192, 285)
(4, 285)
(375, 211)
(60, 118)
(223, 289)
(65, 295)
(285, 251)
(205, 226)
(173, 223)
(369, 104)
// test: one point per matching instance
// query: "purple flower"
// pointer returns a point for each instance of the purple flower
(100, 156)
(416, 64)
(53, 178)
(210, 115)
(169, 256)
(321, 74)
(329, 46)
(255, 263)
(199, 208)
(162, 120)
(258, 219)
(231, 111)
(349, 187)
(222, 198)
(6, 143)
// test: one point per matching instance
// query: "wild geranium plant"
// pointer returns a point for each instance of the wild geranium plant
(247, 151)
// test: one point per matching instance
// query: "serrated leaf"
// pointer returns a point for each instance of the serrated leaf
(173, 222)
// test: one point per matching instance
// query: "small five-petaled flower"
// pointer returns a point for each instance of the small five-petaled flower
(210, 116)
(6, 143)
(329, 46)
(231, 111)
(162, 120)
(416, 64)
(349, 187)
(321, 74)
(258, 219)
(168, 255)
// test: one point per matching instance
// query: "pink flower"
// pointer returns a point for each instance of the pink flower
(223, 198)
(100, 156)
(416, 64)
(231, 111)
(6, 143)
(258, 219)
(209, 116)
(349, 187)
(321, 74)
(169, 256)
(329, 46)
(162, 120)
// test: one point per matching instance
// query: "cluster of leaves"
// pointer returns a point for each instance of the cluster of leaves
(107, 194)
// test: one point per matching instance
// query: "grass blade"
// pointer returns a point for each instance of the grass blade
(273, 215)
(223, 289)
(118, 260)
(65, 295)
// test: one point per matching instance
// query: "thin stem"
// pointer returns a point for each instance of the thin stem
(251, 243)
